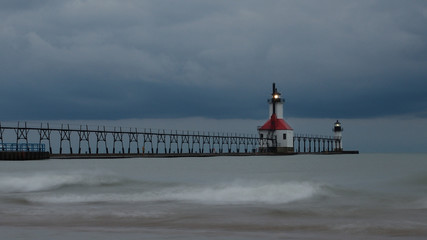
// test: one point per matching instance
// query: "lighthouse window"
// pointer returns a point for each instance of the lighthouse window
(261, 136)
(284, 136)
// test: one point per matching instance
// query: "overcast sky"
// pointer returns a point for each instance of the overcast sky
(364, 61)
(111, 59)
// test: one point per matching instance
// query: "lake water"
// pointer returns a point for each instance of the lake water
(366, 196)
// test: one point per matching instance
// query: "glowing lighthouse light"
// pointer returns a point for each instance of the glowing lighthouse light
(276, 103)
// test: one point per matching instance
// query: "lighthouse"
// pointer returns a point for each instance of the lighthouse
(338, 136)
(276, 135)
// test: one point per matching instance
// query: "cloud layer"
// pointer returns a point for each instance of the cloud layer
(109, 59)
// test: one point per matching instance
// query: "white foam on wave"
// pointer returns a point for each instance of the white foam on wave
(271, 193)
(268, 193)
(43, 181)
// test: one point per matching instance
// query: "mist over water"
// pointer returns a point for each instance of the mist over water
(375, 196)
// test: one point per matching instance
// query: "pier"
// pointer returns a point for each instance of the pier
(83, 141)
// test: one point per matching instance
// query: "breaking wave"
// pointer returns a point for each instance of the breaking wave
(268, 193)
(44, 181)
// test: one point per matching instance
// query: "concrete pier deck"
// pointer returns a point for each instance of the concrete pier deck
(184, 155)
(23, 156)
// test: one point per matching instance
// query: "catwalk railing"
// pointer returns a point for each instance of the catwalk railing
(96, 140)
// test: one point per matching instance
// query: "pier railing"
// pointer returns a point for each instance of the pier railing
(22, 147)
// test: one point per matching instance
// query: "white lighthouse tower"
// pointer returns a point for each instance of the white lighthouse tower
(276, 135)
(338, 136)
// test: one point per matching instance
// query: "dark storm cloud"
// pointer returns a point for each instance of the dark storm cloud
(121, 59)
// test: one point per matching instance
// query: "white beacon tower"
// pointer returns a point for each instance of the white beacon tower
(276, 135)
(338, 136)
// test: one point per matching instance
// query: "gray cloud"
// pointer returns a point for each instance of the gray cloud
(123, 59)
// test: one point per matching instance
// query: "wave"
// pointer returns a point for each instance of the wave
(417, 179)
(234, 193)
(45, 181)
(420, 203)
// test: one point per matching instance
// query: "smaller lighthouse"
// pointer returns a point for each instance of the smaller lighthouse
(276, 135)
(338, 136)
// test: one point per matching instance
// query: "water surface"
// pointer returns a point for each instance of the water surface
(366, 196)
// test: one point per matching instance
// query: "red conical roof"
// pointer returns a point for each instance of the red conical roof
(275, 124)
